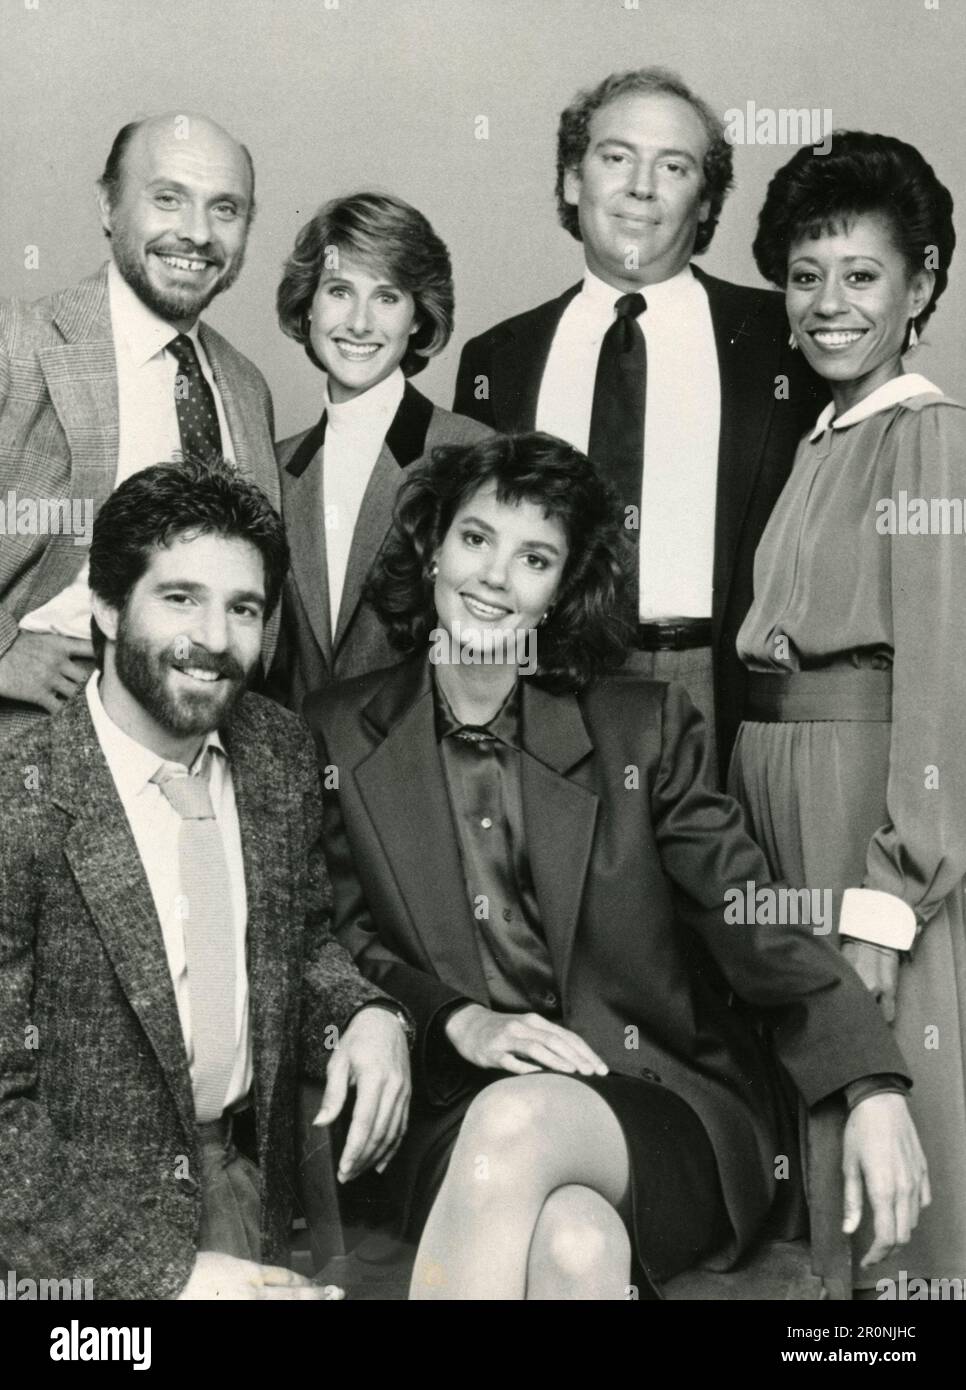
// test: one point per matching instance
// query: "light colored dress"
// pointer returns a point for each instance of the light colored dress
(844, 580)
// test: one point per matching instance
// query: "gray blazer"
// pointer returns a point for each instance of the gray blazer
(98, 1154)
(59, 437)
(309, 654)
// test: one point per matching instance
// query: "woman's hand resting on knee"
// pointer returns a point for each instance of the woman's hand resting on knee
(519, 1043)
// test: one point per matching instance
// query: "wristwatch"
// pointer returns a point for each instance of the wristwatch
(397, 1012)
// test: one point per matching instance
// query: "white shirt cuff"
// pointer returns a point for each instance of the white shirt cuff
(880, 918)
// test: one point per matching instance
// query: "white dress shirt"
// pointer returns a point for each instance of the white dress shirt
(147, 426)
(155, 825)
(681, 426)
(355, 432)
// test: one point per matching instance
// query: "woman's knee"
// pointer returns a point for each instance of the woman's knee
(504, 1132)
(506, 1111)
(581, 1235)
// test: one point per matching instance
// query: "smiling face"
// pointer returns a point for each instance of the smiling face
(638, 191)
(180, 652)
(850, 297)
(180, 222)
(361, 326)
(500, 566)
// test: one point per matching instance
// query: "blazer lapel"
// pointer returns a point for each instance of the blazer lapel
(560, 815)
(263, 799)
(405, 442)
(747, 399)
(107, 869)
(403, 788)
(304, 508)
(244, 412)
(518, 365)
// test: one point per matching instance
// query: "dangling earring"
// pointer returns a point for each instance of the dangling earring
(793, 342)
(913, 336)
(433, 570)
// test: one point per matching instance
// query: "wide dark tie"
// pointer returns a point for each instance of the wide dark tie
(616, 442)
(194, 401)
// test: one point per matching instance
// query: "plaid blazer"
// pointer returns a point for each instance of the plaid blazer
(98, 1153)
(59, 437)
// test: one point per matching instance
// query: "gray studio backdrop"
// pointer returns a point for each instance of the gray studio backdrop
(335, 95)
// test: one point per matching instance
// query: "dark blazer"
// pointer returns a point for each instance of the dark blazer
(759, 435)
(59, 437)
(309, 653)
(98, 1152)
(631, 856)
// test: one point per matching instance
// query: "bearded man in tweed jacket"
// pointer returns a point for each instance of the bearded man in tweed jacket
(111, 1168)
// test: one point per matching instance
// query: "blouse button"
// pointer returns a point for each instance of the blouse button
(486, 822)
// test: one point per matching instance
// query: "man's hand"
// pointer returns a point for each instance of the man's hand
(878, 969)
(39, 668)
(519, 1043)
(225, 1277)
(882, 1149)
(373, 1057)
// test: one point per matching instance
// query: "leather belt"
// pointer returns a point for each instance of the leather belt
(674, 634)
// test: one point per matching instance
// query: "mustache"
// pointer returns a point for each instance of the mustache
(206, 252)
(202, 660)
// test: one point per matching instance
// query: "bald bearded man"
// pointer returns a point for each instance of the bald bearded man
(115, 374)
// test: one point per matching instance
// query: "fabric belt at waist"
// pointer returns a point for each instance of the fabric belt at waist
(673, 634)
(857, 696)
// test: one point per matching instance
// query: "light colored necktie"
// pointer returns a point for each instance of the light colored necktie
(209, 936)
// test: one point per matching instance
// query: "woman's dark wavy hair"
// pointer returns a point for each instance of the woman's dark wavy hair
(817, 194)
(573, 137)
(588, 631)
(380, 231)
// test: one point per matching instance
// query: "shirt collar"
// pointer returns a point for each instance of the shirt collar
(900, 388)
(132, 765)
(370, 409)
(143, 333)
(504, 727)
(665, 294)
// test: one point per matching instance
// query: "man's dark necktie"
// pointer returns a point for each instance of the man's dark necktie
(616, 442)
(194, 401)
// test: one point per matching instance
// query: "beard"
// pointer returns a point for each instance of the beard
(144, 670)
(172, 305)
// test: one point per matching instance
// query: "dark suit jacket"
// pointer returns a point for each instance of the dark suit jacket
(309, 654)
(759, 435)
(631, 856)
(59, 437)
(98, 1153)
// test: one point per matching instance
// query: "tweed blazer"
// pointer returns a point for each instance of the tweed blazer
(769, 397)
(59, 437)
(98, 1152)
(309, 653)
(631, 856)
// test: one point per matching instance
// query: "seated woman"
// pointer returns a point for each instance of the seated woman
(852, 762)
(534, 865)
(368, 292)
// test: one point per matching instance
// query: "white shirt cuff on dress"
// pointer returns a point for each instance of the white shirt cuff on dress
(879, 918)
